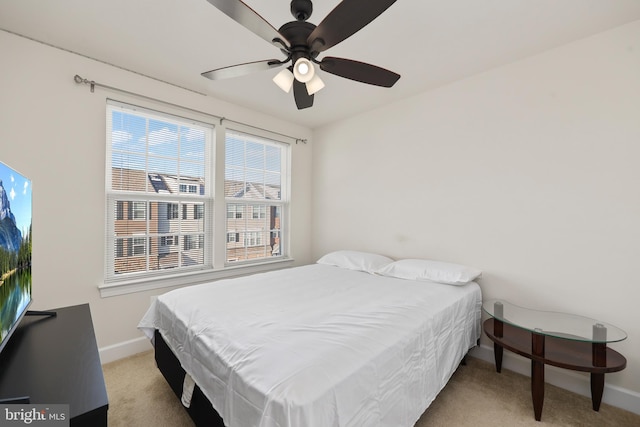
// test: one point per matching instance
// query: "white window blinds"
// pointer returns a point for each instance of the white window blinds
(255, 180)
(159, 193)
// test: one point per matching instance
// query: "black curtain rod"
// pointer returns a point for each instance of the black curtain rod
(92, 84)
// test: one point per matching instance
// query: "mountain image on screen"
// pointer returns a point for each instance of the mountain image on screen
(10, 236)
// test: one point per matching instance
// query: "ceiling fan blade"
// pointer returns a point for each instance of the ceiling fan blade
(302, 97)
(359, 71)
(347, 18)
(241, 69)
(247, 17)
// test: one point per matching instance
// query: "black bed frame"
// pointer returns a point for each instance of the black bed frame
(200, 410)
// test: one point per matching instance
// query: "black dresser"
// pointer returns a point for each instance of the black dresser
(55, 360)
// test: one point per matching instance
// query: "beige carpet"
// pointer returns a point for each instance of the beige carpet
(475, 396)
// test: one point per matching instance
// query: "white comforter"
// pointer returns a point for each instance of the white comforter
(318, 345)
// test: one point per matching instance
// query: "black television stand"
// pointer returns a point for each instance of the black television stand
(55, 360)
(41, 313)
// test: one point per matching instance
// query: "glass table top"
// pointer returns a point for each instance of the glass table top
(555, 324)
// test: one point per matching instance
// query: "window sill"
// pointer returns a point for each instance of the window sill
(191, 278)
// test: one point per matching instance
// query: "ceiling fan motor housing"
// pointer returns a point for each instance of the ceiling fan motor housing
(301, 9)
(297, 32)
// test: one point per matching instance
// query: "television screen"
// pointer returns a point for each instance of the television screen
(15, 250)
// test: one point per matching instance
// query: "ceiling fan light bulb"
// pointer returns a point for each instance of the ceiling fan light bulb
(303, 70)
(314, 85)
(284, 80)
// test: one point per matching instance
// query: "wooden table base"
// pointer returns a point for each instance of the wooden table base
(595, 358)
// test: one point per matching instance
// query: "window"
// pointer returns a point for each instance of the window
(172, 211)
(198, 211)
(135, 210)
(184, 188)
(193, 242)
(119, 248)
(259, 211)
(234, 211)
(137, 246)
(139, 210)
(151, 157)
(161, 204)
(254, 171)
(253, 238)
(168, 240)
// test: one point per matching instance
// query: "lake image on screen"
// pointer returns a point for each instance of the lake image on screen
(15, 248)
(15, 294)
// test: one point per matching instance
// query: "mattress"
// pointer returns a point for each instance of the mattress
(318, 345)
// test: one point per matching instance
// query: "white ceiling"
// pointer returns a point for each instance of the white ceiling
(428, 42)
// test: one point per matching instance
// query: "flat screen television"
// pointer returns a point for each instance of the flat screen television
(15, 250)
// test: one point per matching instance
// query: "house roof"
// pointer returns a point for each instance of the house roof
(251, 190)
(136, 180)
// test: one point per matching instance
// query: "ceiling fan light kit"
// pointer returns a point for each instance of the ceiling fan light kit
(303, 70)
(314, 85)
(284, 80)
(303, 41)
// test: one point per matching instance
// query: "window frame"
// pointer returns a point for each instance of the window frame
(216, 265)
(246, 213)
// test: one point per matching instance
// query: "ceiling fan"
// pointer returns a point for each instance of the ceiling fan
(303, 41)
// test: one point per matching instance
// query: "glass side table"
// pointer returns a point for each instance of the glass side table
(550, 338)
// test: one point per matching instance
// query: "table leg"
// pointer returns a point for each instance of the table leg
(597, 380)
(597, 387)
(498, 330)
(537, 374)
(497, 354)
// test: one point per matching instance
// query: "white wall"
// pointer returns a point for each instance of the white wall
(528, 172)
(53, 131)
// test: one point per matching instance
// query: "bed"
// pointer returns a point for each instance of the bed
(319, 345)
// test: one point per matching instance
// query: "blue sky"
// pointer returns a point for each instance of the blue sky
(139, 142)
(18, 190)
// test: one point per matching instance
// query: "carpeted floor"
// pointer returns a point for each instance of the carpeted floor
(475, 396)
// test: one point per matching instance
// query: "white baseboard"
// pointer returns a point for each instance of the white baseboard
(574, 381)
(124, 349)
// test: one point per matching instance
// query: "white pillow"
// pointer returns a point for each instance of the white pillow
(354, 260)
(434, 271)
